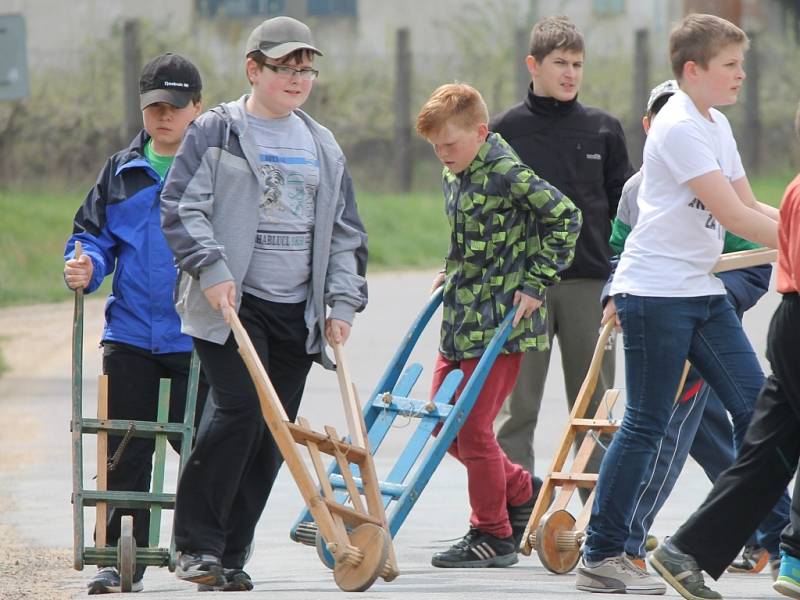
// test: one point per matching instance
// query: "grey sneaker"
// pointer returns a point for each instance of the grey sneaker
(681, 572)
(200, 568)
(106, 581)
(617, 575)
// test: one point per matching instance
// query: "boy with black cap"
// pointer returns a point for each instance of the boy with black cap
(260, 213)
(119, 228)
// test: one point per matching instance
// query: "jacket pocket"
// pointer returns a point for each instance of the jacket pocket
(584, 158)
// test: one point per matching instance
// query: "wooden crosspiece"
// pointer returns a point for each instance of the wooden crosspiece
(356, 536)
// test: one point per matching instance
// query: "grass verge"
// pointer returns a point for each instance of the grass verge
(405, 232)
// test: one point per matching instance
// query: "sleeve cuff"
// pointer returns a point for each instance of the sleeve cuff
(535, 291)
(343, 312)
(216, 273)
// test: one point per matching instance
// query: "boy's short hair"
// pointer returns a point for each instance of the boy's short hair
(458, 103)
(169, 78)
(699, 38)
(555, 33)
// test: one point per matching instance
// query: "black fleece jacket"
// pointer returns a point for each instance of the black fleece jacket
(581, 151)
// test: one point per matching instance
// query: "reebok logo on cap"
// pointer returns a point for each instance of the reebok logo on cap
(169, 78)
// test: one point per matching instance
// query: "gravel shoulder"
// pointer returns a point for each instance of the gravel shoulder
(36, 346)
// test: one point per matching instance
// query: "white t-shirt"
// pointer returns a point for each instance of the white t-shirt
(676, 241)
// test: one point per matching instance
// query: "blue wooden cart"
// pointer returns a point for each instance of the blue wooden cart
(391, 398)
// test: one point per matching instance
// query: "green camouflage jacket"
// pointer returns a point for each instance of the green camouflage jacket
(509, 231)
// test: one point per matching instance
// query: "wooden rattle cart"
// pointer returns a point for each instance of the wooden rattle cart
(556, 535)
(357, 538)
(391, 399)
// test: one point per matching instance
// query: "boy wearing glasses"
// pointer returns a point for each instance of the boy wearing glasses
(260, 214)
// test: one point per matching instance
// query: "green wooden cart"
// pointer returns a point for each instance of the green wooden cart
(125, 555)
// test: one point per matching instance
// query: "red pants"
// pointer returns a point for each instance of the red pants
(492, 479)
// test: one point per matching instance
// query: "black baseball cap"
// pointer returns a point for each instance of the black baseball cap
(168, 78)
(279, 36)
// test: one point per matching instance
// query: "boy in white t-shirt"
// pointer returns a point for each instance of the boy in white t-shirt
(670, 305)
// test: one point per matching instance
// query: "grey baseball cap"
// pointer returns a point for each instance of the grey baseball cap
(665, 88)
(280, 36)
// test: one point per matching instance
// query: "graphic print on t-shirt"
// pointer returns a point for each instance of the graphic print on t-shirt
(289, 175)
(286, 188)
(711, 222)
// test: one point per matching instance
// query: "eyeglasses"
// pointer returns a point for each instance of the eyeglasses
(285, 72)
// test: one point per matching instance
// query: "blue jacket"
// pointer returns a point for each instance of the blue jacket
(119, 226)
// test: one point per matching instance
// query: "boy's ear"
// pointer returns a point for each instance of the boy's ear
(531, 64)
(483, 131)
(690, 70)
(645, 124)
(198, 108)
(251, 67)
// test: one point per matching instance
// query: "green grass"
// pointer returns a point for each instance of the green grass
(35, 227)
(405, 232)
(770, 189)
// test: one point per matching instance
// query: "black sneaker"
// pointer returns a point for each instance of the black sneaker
(106, 581)
(478, 549)
(682, 572)
(752, 560)
(521, 514)
(200, 568)
(236, 580)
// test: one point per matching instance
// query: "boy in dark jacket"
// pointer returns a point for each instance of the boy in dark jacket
(511, 233)
(581, 151)
(120, 230)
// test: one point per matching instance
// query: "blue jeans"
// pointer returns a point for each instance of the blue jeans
(659, 335)
(698, 426)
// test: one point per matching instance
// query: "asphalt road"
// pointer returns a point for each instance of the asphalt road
(35, 465)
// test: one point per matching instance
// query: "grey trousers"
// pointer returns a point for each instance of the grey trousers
(573, 308)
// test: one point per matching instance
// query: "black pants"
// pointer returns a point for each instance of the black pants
(745, 493)
(225, 485)
(133, 382)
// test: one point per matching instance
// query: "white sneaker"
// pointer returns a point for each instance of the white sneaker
(617, 575)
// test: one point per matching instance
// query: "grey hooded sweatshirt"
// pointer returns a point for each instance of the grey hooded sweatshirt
(209, 215)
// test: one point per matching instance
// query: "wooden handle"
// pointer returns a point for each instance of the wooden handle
(744, 259)
(355, 421)
(101, 508)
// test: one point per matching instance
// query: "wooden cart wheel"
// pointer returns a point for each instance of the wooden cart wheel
(557, 542)
(126, 554)
(373, 541)
(322, 551)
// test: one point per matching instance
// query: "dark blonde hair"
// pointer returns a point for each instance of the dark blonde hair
(458, 103)
(555, 33)
(699, 38)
